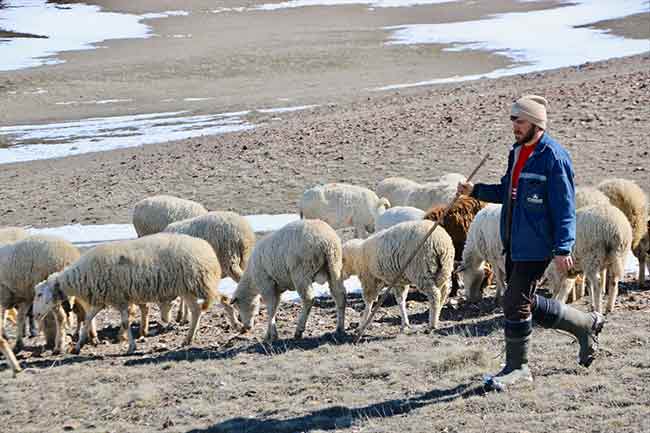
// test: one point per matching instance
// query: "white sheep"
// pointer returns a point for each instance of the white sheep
(9, 355)
(378, 259)
(603, 238)
(230, 235)
(396, 215)
(405, 192)
(292, 258)
(588, 196)
(151, 215)
(484, 245)
(156, 268)
(24, 264)
(9, 235)
(633, 202)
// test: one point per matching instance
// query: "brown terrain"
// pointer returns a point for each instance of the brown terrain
(390, 382)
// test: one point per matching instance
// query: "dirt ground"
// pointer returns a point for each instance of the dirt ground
(391, 382)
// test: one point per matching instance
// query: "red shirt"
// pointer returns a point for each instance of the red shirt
(524, 153)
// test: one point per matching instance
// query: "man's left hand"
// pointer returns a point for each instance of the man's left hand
(563, 263)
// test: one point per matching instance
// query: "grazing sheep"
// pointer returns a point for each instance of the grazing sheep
(405, 192)
(483, 245)
(456, 223)
(230, 235)
(292, 258)
(378, 260)
(342, 205)
(588, 196)
(24, 264)
(155, 268)
(603, 238)
(9, 355)
(396, 215)
(153, 214)
(633, 202)
(9, 235)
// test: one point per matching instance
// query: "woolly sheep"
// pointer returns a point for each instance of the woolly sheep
(633, 202)
(396, 215)
(155, 268)
(588, 196)
(456, 223)
(405, 192)
(378, 259)
(342, 205)
(603, 238)
(292, 258)
(9, 355)
(230, 235)
(9, 235)
(24, 264)
(483, 245)
(153, 214)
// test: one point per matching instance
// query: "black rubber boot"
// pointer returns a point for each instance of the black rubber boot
(584, 326)
(516, 371)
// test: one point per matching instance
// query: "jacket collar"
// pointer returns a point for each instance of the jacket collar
(543, 143)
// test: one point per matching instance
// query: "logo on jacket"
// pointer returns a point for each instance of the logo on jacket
(535, 199)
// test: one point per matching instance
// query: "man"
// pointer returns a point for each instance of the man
(537, 225)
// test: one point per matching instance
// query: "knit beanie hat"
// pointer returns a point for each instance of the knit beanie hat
(531, 108)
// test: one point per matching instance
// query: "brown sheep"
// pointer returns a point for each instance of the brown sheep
(457, 222)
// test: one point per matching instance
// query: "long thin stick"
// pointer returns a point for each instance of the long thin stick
(381, 300)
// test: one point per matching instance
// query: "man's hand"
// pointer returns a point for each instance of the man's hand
(563, 263)
(464, 188)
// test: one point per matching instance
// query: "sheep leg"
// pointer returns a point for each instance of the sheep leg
(435, 305)
(3, 319)
(338, 293)
(89, 326)
(144, 320)
(165, 314)
(563, 292)
(597, 286)
(455, 284)
(500, 277)
(60, 320)
(9, 355)
(612, 282)
(20, 326)
(33, 326)
(580, 288)
(195, 314)
(642, 263)
(272, 301)
(307, 297)
(183, 312)
(401, 293)
(126, 324)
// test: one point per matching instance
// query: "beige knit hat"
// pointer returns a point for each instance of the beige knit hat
(531, 108)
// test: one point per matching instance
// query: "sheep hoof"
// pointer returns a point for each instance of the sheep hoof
(95, 341)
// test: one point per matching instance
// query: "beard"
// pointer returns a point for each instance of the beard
(528, 135)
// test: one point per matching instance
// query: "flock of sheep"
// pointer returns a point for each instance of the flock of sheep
(183, 251)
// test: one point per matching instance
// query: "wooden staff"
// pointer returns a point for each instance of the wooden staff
(381, 300)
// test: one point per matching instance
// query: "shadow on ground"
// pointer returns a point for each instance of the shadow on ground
(337, 417)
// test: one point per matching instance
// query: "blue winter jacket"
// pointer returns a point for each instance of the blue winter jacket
(543, 219)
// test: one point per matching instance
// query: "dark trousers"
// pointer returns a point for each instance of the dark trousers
(519, 298)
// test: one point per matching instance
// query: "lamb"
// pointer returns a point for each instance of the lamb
(155, 268)
(405, 192)
(292, 258)
(153, 214)
(483, 245)
(378, 260)
(457, 223)
(396, 215)
(9, 235)
(603, 237)
(230, 235)
(632, 201)
(587, 196)
(342, 205)
(9, 355)
(24, 264)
